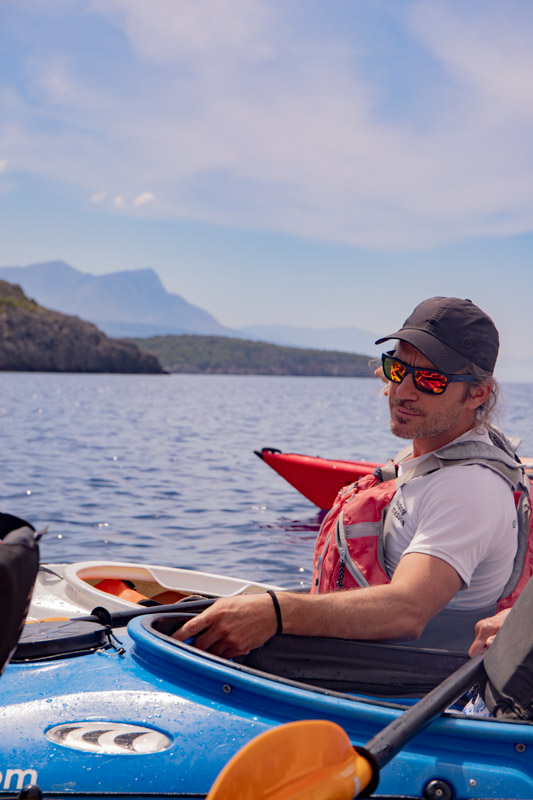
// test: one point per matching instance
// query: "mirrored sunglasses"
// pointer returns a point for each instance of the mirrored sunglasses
(430, 381)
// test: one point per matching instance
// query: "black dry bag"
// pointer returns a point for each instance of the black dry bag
(19, 562)
(509, 663)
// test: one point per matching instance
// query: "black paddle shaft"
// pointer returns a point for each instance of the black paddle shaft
(117, 619)
(398, 733)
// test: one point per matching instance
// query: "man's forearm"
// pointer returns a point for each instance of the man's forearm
(420, 587)
(379, 612)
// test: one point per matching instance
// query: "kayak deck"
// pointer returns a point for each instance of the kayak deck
(63, 723)
(67, 590)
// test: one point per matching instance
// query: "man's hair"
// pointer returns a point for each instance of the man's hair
(487, 411)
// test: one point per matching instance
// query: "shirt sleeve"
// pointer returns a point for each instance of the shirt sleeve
(462, 514)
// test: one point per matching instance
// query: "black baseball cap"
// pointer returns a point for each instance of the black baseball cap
(452, 333)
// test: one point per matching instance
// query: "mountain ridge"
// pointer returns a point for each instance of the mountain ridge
(117, 302)
(151, 311)
(225, 355)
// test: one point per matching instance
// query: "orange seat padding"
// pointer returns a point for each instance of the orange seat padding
(120, 589)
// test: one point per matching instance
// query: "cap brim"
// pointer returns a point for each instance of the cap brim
(441, 356)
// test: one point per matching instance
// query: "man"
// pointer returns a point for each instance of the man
(450, 535)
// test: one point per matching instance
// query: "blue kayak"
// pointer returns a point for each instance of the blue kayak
(149, 716)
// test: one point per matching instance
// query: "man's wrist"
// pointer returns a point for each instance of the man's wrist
(277, 610)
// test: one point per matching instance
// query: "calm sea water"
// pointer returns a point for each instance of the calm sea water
(161, 469)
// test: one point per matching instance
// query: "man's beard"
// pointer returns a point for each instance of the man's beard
(423, 424)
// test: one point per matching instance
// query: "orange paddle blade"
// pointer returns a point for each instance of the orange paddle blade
(305, 760)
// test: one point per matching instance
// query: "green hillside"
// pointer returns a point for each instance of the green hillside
(222, 355)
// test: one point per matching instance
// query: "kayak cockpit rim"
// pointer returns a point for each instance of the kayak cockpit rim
(233, 672)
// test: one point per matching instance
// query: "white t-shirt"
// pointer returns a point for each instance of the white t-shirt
(466, 516)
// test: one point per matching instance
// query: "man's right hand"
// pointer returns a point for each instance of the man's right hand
(486, 630)
(232, 626)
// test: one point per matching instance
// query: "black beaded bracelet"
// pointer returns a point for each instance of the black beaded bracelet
(277, 609)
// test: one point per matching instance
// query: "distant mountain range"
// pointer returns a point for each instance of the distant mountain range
(136, 304)
(130, 303)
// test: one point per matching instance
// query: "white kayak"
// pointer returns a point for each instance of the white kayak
(69, 590)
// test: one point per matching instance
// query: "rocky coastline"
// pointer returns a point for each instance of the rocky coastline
(34, 338)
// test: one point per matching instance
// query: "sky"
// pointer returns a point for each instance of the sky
(317, 163)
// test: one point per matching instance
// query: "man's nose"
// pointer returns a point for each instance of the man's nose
(406, 390)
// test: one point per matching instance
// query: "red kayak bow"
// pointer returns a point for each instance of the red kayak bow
(319, 479)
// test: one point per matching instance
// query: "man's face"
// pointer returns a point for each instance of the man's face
(417, 415)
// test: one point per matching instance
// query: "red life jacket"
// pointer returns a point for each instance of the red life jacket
(349, 546)
(353, 559)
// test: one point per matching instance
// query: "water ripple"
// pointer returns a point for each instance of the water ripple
(161, 468)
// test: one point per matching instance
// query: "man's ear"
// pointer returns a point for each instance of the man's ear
(478, 395)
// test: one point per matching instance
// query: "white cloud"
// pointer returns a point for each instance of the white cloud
(119, 201)
(54, 77)
(176, 30)
(142, 199)
(488, 52)
(233, 113)
(3, 164)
